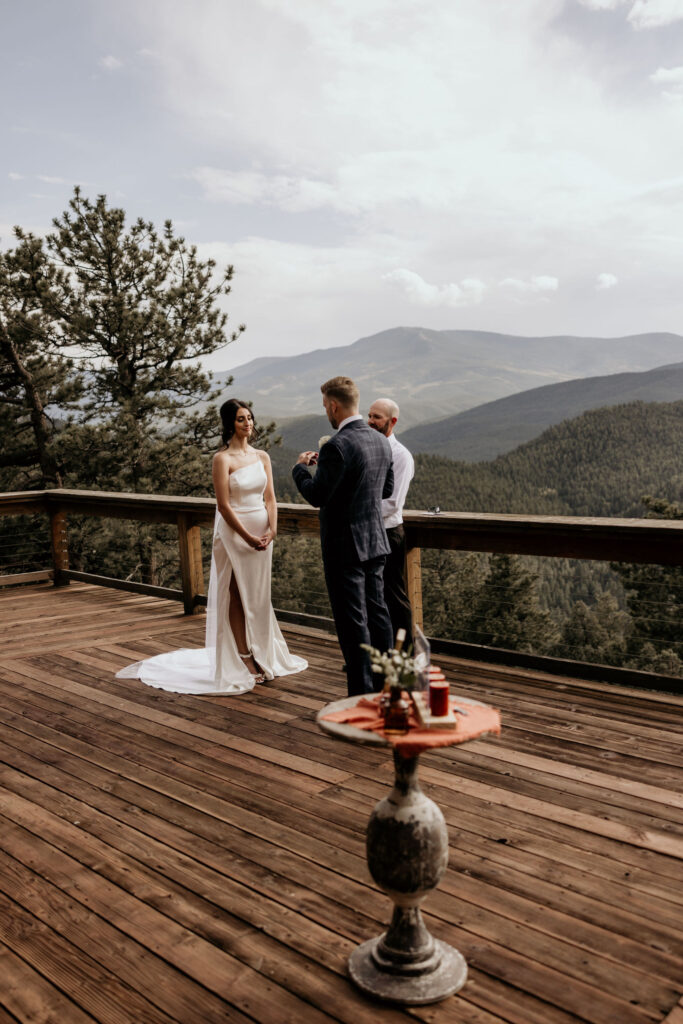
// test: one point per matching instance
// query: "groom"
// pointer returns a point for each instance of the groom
(354, 474)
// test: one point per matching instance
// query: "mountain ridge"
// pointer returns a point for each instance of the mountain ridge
(497, 427)
(444, 372)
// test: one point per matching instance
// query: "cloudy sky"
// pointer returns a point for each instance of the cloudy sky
(505, 165)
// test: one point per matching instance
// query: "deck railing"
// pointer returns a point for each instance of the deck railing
(637, 541)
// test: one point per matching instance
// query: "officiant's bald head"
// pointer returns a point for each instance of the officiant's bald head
(383, 415)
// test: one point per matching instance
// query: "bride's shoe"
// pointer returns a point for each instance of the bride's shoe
(259, 676)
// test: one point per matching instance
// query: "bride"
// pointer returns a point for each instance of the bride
(244, 644)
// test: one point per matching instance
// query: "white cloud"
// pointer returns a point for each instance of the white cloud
(603, 5)
(655, 13)
(49, 180)
(111, 63)
(313, 284)
(536, 285)
(533, 291)
(359, 184)
(385, 136)
(13, 176)
(310, 86)
(252, 188)
(643, 13)
(668, 75)
(605, 281)
(469, 292)
(671, 77)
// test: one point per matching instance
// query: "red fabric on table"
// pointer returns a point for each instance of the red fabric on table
(365, 715)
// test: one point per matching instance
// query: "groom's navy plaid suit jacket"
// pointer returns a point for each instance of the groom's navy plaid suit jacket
(354, 474)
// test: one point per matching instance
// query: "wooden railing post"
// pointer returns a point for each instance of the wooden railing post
(413, 572)
(60, 546)
(192, 574)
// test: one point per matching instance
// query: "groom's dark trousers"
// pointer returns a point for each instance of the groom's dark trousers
(354, 473)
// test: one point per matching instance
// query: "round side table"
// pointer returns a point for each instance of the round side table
(407, 851)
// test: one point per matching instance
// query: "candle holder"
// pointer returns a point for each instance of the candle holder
(396, 711)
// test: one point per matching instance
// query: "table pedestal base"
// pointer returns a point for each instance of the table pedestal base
(407, 847)
(396, 980)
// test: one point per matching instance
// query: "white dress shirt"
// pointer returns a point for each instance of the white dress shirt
(404, 469)
(349, 419)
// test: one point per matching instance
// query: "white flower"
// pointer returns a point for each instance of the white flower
(323, 440)
(396, 666)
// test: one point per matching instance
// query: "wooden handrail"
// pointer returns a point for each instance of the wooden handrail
(627, 540)
(20, 503)
(656, 541)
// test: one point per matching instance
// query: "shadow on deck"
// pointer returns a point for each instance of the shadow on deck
(173, 858)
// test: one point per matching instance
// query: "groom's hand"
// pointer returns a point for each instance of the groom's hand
(307, 459)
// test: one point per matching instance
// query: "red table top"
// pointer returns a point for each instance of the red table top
(361, 717)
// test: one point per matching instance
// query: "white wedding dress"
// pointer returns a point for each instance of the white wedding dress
(217, 668)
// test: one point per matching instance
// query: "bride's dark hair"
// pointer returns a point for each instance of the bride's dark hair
(228, 413)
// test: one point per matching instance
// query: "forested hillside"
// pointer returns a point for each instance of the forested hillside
(599, 464)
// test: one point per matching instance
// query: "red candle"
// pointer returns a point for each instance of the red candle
(438, 698)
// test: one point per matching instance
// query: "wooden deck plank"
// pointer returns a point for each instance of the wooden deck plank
(670, 798)
(200, 859)
(99, 991)
(676, 1015)
(130, 903)
(134, 963)
(28, 996)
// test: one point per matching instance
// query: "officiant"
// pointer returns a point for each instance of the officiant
(383, 417)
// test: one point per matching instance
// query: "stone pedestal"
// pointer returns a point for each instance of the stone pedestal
(407, 849)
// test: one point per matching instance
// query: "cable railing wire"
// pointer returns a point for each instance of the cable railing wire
(24, 545)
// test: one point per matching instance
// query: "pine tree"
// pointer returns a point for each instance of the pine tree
(506, 612)
(38, 383)
(597, 633)
(451, 584)
(102, 327)
(140, 309)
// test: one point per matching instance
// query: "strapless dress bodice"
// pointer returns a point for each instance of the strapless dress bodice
(247, 485)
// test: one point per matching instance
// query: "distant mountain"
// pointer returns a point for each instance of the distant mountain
(433, 374)
(497, 427)
(303, 432)
(599, 464)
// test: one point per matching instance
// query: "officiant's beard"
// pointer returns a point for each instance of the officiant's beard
(381, 428)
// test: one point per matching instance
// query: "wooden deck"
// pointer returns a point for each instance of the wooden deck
(171, 858)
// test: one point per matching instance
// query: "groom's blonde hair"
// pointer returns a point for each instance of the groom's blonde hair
(342, 390)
